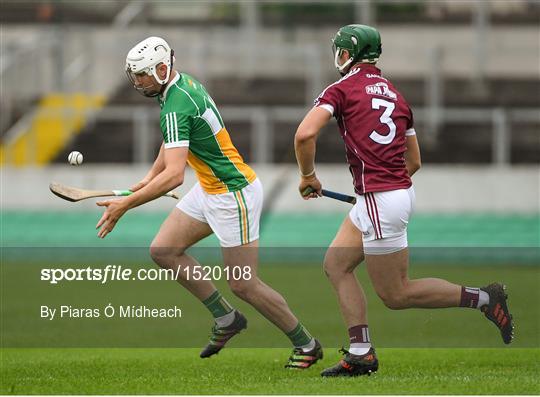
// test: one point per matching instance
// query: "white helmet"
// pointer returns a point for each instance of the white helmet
(145, 56)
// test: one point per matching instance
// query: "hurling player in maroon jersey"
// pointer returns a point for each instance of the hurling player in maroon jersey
(376, 125)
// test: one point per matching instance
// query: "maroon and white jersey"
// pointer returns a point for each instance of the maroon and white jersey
(374, 120)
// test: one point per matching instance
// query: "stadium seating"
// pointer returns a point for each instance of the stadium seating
(456, 142)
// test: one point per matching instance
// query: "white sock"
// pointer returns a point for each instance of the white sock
(483, 299)
(309, 346)
(225, 320)
(359, 349)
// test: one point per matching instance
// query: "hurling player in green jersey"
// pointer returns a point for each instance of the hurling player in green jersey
(226, 201)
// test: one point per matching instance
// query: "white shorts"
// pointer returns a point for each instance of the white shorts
(382, 217)
(233, 217)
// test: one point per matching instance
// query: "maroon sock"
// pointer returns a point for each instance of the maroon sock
(469, 297)
(359, 334)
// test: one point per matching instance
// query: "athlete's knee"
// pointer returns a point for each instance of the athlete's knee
(156, 253)
(165, 256)
(243, 288)
(395, 299)
(334, 269)
(335, 265)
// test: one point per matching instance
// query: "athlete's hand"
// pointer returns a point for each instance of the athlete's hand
(310, 187)
(114, 209)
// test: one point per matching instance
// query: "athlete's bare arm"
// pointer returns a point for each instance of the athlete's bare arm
(305, 142)
(413, 161)
(157, 167)
(172, 176)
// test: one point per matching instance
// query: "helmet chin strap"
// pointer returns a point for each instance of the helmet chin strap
(162, 89)
(165, 81)
(339, 67)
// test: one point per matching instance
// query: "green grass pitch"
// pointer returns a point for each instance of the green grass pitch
(451, 351)
(260, 371)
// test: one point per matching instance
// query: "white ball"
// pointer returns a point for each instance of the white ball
(75, 158)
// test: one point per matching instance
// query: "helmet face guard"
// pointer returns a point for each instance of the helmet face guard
(147, 91)
(337, 53)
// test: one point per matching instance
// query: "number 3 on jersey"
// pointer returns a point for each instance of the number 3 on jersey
(377, 103)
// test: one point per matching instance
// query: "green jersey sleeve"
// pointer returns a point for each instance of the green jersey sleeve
(175, 128)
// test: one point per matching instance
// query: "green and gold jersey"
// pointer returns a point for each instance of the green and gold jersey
(189, 118)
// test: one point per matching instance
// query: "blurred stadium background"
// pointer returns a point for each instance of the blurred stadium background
(470, 70)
